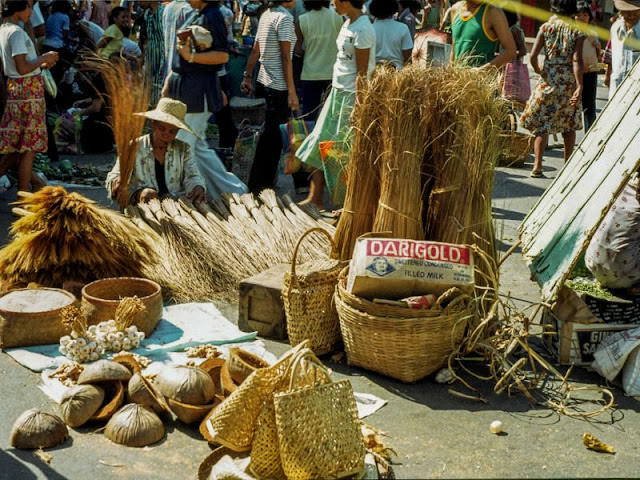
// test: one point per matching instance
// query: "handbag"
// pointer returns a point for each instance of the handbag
(49, 83)
(516, 86)
(297, 131)
(335, 158)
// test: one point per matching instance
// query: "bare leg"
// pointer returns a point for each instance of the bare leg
(569, 142)
(316, 190)
(539, 145)
(25, 168)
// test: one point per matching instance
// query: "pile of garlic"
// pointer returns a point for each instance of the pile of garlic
(111, 339)
(80, 349)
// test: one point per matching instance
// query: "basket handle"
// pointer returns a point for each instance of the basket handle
(307, 354)
(294, 257)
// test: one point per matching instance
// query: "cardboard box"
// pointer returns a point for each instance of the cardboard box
(575, 343)
(394, 268)
(617, 310)
(260, 306)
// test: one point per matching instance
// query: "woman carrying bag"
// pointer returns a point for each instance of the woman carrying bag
(516, 85)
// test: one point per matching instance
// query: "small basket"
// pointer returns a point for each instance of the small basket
(402, 343)
(517, 147)
(249, 111)
(244, 151)
(308, 300)
(105, 295)
(23, 329)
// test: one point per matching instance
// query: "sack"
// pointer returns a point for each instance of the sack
(244, 152)
(327, 416)
(516, 86)
(335, 158)
(297, 131)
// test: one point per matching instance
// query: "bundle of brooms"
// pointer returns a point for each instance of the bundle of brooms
(64, 236)
(128, 93)
(425, 145)
(208, 250)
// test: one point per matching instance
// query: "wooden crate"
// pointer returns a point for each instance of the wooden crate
(260, 306)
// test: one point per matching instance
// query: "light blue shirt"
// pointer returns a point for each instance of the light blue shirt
(55, 27)
(173, 17)
(623, 56)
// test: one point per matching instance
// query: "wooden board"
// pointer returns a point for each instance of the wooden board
(559, 227)
(260, 305)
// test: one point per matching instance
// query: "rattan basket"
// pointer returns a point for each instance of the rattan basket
(517, 147)
(308, 300)
(402, 343)
(104, 297)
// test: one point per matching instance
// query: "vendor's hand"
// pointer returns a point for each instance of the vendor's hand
(576, 97)
(115, 186)
(197, 195)
(294, 104)
(245, 86)
(185, 49)
(49, 59)
(146, 195)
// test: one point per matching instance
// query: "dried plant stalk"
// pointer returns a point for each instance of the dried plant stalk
(127, 310)
(128, 92)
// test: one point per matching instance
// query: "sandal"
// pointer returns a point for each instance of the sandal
(536, 174)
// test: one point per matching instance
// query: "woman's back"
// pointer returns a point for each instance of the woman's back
(559, 42)
(320, 29)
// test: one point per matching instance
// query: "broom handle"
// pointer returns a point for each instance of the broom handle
(294, 257)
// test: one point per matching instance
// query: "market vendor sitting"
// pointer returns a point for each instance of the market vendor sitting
(164, 165)
(613, 256)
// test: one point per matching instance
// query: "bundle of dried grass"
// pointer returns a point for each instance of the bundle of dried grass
(363, 177)
(404, 142)
(64, 236)
(128, 94)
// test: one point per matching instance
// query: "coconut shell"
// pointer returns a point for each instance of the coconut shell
(134, 425)
(213, 366)
(228, 384)
(241, 364)
(142, 391)
(104, 371)
(190, 385)
(191, 413)
(129, 361)
(36, 429)
(114, 398)
(80, 403)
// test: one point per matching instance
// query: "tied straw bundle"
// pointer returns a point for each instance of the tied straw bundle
(128, 93)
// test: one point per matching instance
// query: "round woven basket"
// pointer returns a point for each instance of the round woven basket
(308, 300)
(517, 148)
(402, 343)
(105, 295)
(22, 329)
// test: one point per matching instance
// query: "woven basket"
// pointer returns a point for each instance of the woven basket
(517, 147)
(22, 329)
(402, 343)
(249, 111)
(105, 295)
(308, 300)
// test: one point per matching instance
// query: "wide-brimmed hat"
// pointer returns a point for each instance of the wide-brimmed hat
(169, 111)
(627, 5)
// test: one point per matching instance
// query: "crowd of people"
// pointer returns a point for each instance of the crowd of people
(308, 58)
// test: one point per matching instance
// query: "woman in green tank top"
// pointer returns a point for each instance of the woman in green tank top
(477, 29)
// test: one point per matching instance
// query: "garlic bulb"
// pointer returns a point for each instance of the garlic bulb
(79, 349)
(134, 426)
(80, 403)
(190, 385)
(111, 339)
(496, 427)
(36, 429)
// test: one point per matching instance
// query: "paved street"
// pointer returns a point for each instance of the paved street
(436, 435)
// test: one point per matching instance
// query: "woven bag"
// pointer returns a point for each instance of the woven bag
(308, 300)
(306, 370)
(233, 422)
(319, 432)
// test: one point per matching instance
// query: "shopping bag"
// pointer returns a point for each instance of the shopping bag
(244, 152)
(335, 158)
(297, 131)
(516, 85)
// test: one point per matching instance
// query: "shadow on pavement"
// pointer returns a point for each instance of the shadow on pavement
(15, 468)
(510, 185)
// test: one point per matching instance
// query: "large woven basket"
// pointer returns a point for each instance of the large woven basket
(402, 343)
(22, 329)
(308, 300)
(105, 295)
(517, 147)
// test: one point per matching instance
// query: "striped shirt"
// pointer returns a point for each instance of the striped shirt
(276, 25)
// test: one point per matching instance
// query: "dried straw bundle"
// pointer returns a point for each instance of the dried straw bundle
(128, 93)
(65, 236)
(363, 177)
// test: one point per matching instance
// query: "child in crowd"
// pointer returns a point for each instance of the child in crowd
(112, 40)
(394, 41)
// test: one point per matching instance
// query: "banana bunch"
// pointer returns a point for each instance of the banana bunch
(80, 349)
(111, 339)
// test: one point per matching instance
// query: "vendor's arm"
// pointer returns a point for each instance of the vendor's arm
(578, 69)
(497, 23)
(299, 40)
(535, 51)
(212, 57)
(192, 180)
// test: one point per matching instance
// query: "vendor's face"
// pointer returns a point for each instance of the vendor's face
(197, 4)
(25, 14)
(163, 133)
(340, 9)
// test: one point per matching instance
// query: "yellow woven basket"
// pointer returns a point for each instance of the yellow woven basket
(308, 300)
(402, 343)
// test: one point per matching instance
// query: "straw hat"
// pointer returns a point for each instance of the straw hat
(627, 6)
(169, 111)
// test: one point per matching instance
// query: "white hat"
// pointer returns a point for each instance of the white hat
(169, 111)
